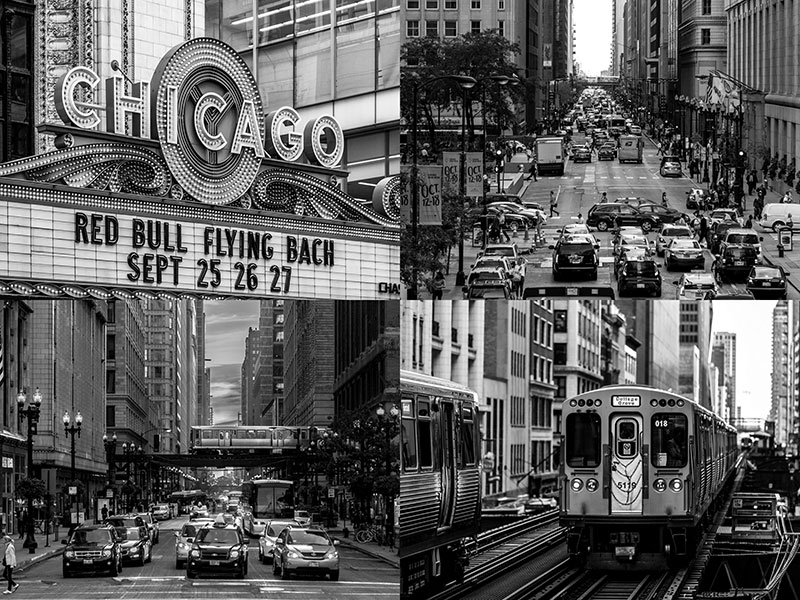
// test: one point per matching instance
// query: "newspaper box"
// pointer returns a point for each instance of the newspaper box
(785, 239)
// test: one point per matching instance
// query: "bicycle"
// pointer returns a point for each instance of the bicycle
(371, 533)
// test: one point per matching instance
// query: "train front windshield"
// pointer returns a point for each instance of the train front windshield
(669, 439)
(583, 439)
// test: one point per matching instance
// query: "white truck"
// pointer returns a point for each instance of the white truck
(550, 154)
(630, 149)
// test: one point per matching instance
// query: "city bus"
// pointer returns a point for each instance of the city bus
(266, 499)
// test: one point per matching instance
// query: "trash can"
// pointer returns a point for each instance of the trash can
(785, 238)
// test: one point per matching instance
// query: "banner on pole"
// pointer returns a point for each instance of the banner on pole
(450, 172)
(429, 190)
(474, 168)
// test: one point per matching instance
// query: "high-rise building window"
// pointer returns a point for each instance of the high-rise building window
(705, 37)
(475, 27)
(431, 28)
(16, 81)
(501, 27)
(412, 4)
(706, 7)
(451, 4)
(501, 4)
(412, 29)
(111, 416)
(431, 4)
(475, 4)
(559, 354)
(450, 28)
(111, 381)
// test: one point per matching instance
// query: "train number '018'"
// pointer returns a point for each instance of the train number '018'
(661, 423)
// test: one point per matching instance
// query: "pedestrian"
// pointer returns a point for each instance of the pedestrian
(703, 230)
(603, 198)
(104, 512)
(752, 180)
(501, 221)
(517, 277)
(437, 287)
(790, 223)
(580, 219)
(664, 199)
(9, 562)
(494, 232)
(553, 204)
(749, 223)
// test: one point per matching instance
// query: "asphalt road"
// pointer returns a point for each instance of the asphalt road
(360, 576)
(578, 190)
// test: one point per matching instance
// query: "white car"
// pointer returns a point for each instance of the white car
(302, 517)
(696, 286)
(669, 233)
(266, 543)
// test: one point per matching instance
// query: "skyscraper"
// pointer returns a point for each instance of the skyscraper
(727, 342)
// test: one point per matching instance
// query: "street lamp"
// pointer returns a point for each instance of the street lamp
(466, 83)
(111, 449)
(387, 426)
(69, 431)
(131, 453)
(32, 414)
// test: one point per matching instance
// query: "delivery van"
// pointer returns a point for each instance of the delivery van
(630, 148)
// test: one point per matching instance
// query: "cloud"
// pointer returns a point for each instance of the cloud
(226, 393)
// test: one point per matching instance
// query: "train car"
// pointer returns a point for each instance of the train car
(276, 437)
(641, 470)
(440, 493)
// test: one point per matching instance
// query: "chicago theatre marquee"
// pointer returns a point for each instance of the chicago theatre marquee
(194, 188)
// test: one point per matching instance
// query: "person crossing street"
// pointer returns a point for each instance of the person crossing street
(554, 204)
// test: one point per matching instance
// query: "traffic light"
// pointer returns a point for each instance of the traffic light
(498, 161)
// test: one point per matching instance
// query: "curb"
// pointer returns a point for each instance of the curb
(22, 565)
(768, 259)
(360, 548)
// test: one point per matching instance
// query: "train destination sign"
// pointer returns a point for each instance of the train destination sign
(193, 187)
(626, 401)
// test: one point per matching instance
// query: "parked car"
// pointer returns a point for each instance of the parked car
(305, 550)
(735, 261)
(684, 253)
(266, 543)
(92, 548)
(671, 166)
(775, 216)
(767, 282)
(615, 214)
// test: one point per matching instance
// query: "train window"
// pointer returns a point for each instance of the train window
(424, 434)
(409, 436)
(669, 440)
(627, 435)
(467, 436)
(583, 439)
(207, 434)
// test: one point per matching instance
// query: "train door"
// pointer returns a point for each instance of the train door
(448, 458)
(626, 463)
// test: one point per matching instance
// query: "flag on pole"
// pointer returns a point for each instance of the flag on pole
(723, 90)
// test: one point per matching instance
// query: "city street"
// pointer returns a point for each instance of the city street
(362, 574)
(578, 190)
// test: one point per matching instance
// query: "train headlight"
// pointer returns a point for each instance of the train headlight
(576, 485)
(676, 485)
(573, 403)
(680, 403)
(591, 485)
(653, 402)
(659, 485)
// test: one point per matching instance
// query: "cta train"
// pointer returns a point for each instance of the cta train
(642, 470)
(253, 437)
(440, 493)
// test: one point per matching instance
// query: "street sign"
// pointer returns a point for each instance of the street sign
(73, 490)
(331, 493)
(109, 493)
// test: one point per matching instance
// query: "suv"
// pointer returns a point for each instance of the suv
(671, 165)
(305, 550)
(639, 276)
(617, 214)
(575, 254)
(718, 233)
(92, 548)
(125, 521)
(136, 545)
(218, 548)
(272, 530)
(743, 236)
(607, 151)
(162, 512)
(735, 260)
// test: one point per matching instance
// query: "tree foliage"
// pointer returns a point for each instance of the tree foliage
(478, 55)
(30, 489)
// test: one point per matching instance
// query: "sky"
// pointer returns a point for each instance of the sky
(592, 22)
(227, 323)
(752, 324)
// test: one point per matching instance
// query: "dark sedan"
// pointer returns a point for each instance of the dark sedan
(607, 152)
(615, 214)
(639, 277)
(767, 282)
(581, 153)
(665, 213)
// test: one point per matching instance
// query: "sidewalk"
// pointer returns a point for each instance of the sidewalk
(384, 553)
(25, 558)
(769, 247)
